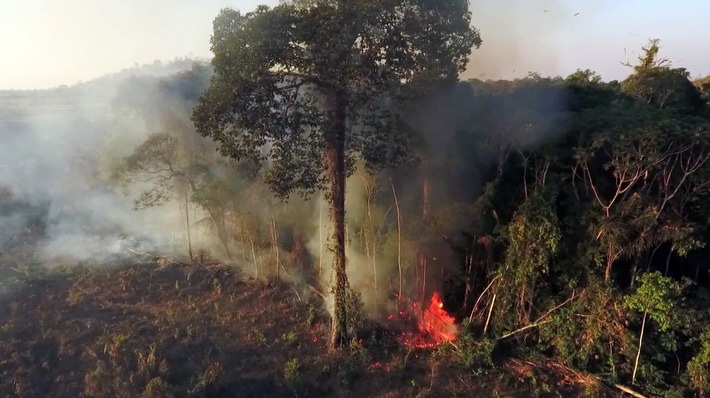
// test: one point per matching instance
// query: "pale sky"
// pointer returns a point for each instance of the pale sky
(46, 43)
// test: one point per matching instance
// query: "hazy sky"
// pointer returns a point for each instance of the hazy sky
(46, 43)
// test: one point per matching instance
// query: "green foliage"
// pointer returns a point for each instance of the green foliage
(257, 336)
(276, 80)
(533, 240)
(358, 351)
(687, 245)
(157, 388)
(115, 344)
(656, 83)
(311, 317)
(290, 338)
(475, 353)
(292, 370)
(354, 310)
(657, 296)
(202, 383)
(698, 371)
(467, 351)
(590, 333)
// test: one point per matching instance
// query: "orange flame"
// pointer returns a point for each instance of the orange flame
(437, 322)
(435, 325)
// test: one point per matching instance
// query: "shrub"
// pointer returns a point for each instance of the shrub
(156, 388)
(468, 352)
(292, 371)
(289, 338)
(311, 317)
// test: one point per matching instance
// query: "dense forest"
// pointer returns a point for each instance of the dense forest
(561, 219)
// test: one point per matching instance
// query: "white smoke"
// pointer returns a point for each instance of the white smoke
(55, 145)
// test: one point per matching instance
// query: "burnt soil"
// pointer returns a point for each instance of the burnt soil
(208, 331)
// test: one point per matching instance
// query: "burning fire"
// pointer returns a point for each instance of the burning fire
(435, 325)
(437, 322)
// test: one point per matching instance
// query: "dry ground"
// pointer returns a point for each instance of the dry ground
(207, 331)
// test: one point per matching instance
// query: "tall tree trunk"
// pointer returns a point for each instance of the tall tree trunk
(335, 164)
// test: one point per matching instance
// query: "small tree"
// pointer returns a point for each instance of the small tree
(307, 87)
(656, 297)
(533, 240)
(172, 163)
(655, 82)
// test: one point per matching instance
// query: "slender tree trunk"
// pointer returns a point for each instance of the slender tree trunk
(187, 226)
(399, 243)
(668, 260)
(490, 311)
(469, 280)
(374, 267)
(253, 250)
(638, 354)
(371, 237)
(320, 237)
(275, 244)
(335, 163)
(633, 272)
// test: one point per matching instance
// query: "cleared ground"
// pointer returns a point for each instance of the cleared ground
(146, 330)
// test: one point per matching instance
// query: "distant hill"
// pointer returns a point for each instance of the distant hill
(93, 95)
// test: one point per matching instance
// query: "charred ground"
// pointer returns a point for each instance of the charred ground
(207, 330)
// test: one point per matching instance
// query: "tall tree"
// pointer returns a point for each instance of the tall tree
(307, 87)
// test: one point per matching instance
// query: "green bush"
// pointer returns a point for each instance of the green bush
(311, 317)
(289, 338)
(468, 352)
(292, 370)
(156, 388)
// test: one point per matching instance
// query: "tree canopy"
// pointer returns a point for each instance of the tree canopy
(308, 88)
(277, 72)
